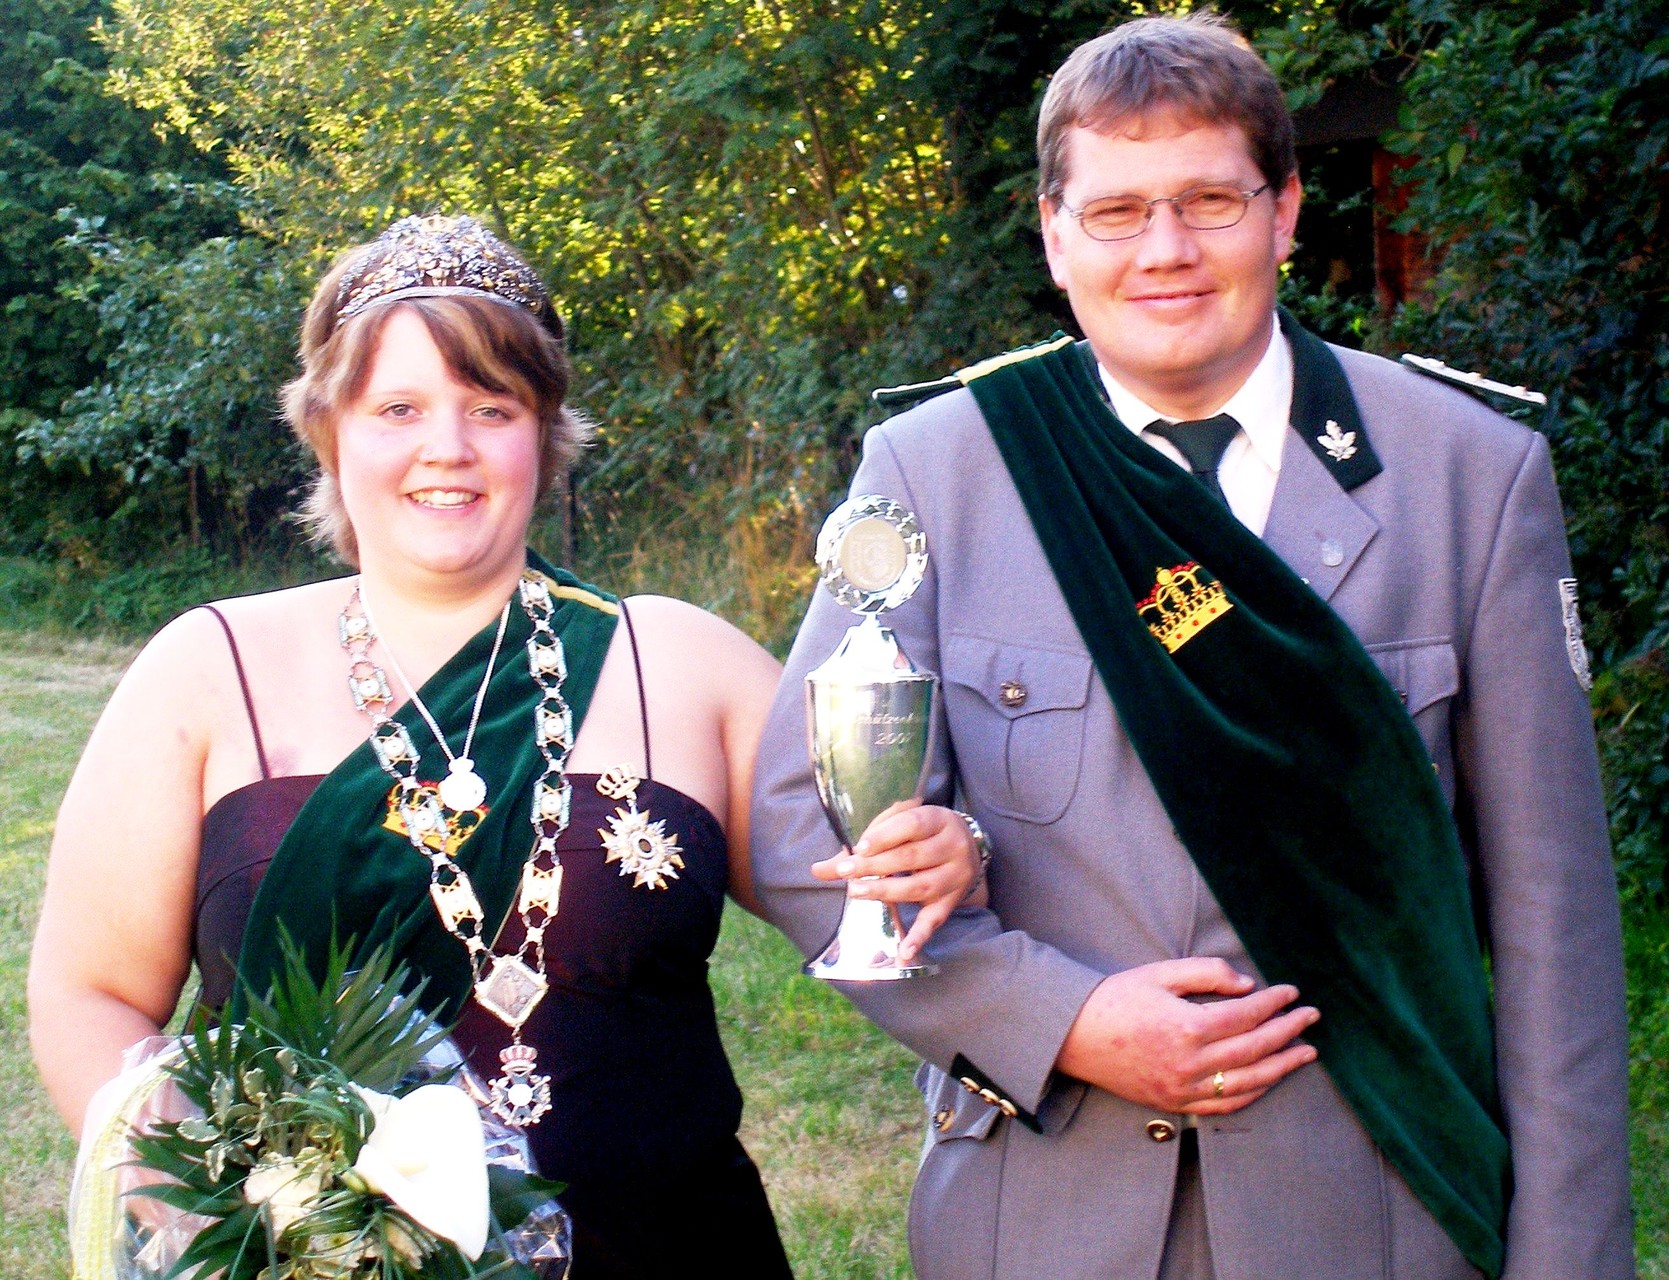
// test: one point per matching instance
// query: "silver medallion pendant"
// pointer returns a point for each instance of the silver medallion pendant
(462, 788)
(521, 1096)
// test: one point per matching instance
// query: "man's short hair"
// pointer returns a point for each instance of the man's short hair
(1196, 68)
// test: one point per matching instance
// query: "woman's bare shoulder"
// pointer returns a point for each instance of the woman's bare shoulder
(690, 635)
(192, 649)
(696, 660)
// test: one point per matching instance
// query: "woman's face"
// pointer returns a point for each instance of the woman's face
(439, 478)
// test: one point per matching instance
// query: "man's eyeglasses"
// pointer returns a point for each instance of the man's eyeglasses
(1209, 208)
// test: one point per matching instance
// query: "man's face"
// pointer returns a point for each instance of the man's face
(1179, 317)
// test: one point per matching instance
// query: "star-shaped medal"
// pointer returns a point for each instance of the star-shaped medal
(642, 848)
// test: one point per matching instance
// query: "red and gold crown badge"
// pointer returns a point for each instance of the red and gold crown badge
(1183, 602)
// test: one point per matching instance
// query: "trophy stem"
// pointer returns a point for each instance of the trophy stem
(865, 947)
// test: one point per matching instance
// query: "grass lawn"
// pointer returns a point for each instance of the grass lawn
(831, 1117)
(50, 693)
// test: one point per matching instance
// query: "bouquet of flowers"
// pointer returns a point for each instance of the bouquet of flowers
(330, 1135)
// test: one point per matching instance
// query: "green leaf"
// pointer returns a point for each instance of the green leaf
(513, 1194)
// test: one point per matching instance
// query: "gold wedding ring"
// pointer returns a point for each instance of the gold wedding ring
(1217, 1085)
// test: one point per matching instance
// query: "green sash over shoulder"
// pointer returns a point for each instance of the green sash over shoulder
(341, 870)
(1286, 763)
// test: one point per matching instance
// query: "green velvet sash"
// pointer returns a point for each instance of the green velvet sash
(340, 872)
(1287, 764)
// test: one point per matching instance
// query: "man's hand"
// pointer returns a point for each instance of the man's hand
(912, 852)
(1140, 1037)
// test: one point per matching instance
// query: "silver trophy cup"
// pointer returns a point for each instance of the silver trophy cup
(869, 717)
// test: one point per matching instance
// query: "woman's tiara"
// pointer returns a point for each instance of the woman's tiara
(435, 256)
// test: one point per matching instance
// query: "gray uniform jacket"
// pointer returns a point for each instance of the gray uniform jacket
(1448, 567)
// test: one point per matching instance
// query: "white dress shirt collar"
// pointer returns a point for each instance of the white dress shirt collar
(1262, 406)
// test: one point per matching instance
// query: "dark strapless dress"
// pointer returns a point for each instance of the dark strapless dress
(644, 1107)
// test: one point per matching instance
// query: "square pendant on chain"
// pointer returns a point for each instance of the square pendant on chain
(510, 991)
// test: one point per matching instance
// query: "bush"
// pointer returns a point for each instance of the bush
(61, 597)
(1540, 149)
(181, 430)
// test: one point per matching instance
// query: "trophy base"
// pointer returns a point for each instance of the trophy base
(865, 948)
(830, 969)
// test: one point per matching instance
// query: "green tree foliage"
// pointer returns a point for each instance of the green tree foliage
(1541, 165)
(182, 419)
(753, 210)
(67, 148)
(74, 156)
(735, 200)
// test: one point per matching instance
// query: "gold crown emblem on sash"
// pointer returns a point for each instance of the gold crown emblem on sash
(1182, 604)
(443, 834)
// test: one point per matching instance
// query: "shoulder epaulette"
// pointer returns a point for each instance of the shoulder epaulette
(1471, 381)
(915, 392)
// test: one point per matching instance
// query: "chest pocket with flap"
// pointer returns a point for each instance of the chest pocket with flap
(1426, 675)
(1016, 717)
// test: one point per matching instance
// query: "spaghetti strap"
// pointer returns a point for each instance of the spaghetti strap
(642, 701)
(243, 683)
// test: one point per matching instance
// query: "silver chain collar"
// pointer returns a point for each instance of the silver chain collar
(507, 986)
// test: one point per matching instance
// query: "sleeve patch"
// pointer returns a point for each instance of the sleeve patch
(1574, 648)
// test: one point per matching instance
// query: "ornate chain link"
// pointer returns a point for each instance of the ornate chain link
(428, 828)
(553, 731)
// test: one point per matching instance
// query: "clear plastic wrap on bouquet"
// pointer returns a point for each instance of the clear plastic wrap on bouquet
(115, 1234)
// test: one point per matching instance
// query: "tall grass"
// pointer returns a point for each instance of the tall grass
(752, 567)
(1646, 947)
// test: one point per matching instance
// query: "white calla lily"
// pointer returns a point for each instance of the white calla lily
(428, 1155)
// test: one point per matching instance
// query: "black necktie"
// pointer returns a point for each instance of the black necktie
(1202, 443)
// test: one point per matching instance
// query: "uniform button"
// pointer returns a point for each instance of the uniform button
(1161, 1130)
(1007, 1108)
(1013, 693)
(943, 1118)
(1332, 553)
(970, 1084)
